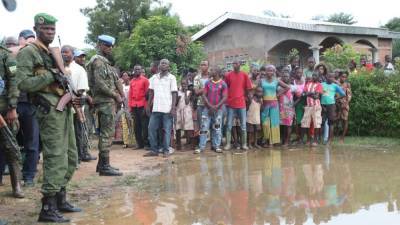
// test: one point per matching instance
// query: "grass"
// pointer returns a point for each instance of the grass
(381, 142)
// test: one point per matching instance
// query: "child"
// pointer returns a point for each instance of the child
(343, 104)
(286, 107)
(214, 95)
(184, 115)
(330, 89)
(312, 111)
(254, 118)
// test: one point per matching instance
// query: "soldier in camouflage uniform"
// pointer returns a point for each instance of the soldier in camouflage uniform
(38, 76)
(106, 91)
(8, 103)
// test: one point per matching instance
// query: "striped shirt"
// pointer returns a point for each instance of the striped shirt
(313, 87)
(215, 91)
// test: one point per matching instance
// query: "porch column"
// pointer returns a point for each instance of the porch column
(315, 52)
(375, 56)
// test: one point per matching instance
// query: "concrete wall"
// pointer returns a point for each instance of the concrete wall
(384, 48)
(250, 41)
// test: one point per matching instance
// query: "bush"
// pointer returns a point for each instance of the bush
(375, 106)
(339, 56)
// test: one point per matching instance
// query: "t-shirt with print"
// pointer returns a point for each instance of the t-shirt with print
(215, 91)
(198, 83)
(313, 87)
(163, 88)
(329, 92)
(237, 84)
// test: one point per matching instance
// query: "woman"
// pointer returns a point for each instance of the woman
(322, 72)
(300, 100)
(270, 112)
(124, 131)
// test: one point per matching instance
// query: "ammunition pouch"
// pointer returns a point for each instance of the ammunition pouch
(41, 104)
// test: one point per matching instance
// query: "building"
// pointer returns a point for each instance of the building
(244, 37)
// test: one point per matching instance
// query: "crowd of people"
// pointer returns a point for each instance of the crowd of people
(258, 110)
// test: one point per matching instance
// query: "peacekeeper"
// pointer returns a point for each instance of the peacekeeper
(107, 91)
(39, 77)
(8, 104)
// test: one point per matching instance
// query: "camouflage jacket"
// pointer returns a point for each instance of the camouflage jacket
(8, 84)
(103, 79)
(35, 68)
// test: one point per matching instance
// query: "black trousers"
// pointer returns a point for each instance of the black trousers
(141, 122)
(81, 144)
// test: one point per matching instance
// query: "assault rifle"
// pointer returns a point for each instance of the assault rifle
(13, 157)
(70, 95)
(7, 137)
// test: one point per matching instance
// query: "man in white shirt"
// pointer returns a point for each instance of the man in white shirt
(162, 101)
(388, 68)
(79, 83)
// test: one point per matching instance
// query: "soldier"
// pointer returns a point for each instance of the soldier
(106, 91)
(8, 104)
(38, 76)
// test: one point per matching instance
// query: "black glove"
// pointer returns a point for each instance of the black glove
(61, 79)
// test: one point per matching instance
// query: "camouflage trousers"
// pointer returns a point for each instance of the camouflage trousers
(106, 117)
(60, 156)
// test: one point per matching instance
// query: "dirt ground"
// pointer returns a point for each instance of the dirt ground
(86, 185)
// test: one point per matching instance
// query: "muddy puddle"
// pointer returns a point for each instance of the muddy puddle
(326, 186)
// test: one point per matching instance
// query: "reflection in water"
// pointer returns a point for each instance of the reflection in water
(270, 187)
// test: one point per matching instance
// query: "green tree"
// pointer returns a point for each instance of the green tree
(394, 25)
(343, 18)
(119, 17)
(156, 38)
(194, 28)
(338, 57)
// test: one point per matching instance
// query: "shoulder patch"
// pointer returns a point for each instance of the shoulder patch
(97, 62)
(12, 69)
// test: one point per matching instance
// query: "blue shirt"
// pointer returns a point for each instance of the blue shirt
(328, 93)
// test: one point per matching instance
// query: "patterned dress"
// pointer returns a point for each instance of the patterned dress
(270, 112)
(184, 114)
(286, 107)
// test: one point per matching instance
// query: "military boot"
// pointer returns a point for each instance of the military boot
(106, 170)
(100, 162)
(49, 212)
(86, 157)
(228, 141)
(244, 140)
(63, 205)
(15, 176)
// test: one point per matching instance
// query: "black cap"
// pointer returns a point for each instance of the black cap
(26, 34)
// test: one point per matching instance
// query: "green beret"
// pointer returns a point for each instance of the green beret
(45, 19)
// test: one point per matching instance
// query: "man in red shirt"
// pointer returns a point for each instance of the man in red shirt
(137, 103)
(238, 84)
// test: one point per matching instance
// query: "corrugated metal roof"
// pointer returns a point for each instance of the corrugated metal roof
(311, 26)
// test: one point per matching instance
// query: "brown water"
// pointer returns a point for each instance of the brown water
(336, 186)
